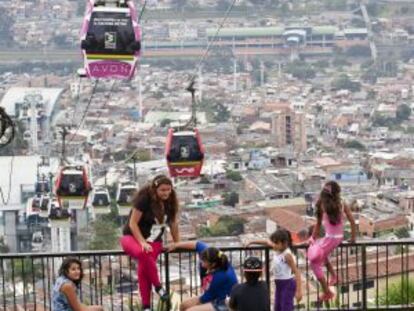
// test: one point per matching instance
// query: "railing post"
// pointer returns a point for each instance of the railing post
(167, 276)
(364, 277)
(267, 260)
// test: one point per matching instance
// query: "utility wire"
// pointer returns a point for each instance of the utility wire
(230, 8)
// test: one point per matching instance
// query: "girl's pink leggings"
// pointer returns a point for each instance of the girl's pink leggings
(147, 265)
(318, 253)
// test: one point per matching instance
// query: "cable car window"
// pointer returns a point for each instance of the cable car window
(126, 196)
(57, 213)
(185, 148)
(42, 187)
(100, 199)
(72, 185)
(45, 204)
(111, 33)
(36, 203)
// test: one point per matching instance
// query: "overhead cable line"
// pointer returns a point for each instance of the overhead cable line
(229, 9)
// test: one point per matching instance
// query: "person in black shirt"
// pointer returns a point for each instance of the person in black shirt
(155, 206)
(253, 294)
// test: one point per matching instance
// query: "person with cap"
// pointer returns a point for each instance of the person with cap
(253, 294)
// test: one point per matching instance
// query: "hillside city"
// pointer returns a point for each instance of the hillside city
(289, 94)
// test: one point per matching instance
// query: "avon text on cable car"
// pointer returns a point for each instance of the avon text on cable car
(110, 39)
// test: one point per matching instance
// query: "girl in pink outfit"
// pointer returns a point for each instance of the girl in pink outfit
(155, 207)
(330, 211)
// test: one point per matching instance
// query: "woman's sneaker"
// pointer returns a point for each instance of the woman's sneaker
(164, 299)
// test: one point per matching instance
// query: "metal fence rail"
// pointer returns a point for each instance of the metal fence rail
(372, 276)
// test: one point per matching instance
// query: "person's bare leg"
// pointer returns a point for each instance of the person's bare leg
(188, 303)
(330, 268)
(324, 285)
(333, 276)
(203, 307)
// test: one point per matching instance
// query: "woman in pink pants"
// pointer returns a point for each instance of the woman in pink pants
(330, 212)
(155, 207)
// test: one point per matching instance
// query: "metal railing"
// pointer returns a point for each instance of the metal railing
(374, 275)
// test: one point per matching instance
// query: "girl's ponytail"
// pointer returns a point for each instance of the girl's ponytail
(216, 258)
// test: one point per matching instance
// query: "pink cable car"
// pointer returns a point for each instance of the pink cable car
(110, 39)
(184, 152)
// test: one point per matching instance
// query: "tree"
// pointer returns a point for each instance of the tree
(372, 94)
(357, 22)
(321, 64)
(399, 293)
(231, 198)
(382, 121)
(105, 235)
(204, 180)
(354, 144)
(403, 112)
(216, 112)
(370, 76)
(4, 248)
(257, 76)
(142, 155)
(24, 270)
(340, 61)
(225, 226)
(165, 122)
(358, 51)
(234, 175)
(344, 83)
(402, 233)
(300, 70)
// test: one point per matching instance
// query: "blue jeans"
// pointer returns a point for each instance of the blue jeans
(219, 305)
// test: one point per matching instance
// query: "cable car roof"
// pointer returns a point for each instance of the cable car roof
(110, 9)
(72, 172)
(184, 133)
(100, 190)
(128, 187)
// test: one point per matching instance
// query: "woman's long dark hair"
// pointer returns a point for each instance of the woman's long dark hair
(215, 257)
(64, 269)
(330, 202)
(150, 192)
